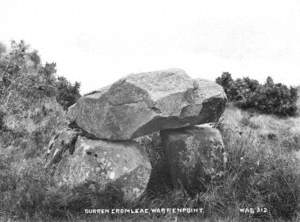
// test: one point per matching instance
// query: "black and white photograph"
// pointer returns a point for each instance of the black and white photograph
(140, 111)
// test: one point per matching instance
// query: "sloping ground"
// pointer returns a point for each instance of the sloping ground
(284, 132)
(280, 135)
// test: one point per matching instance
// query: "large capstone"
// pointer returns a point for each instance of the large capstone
(143, 103)
(97, 165)
(195, 156)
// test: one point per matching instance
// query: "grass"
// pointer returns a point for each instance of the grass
(261, 171)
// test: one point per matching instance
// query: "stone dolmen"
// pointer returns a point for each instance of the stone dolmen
(99, 149)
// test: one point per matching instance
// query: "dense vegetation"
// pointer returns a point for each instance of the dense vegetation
(21, 67)
(269, 98)
(32, 99)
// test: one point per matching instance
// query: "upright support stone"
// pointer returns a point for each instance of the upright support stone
(195, 156)
(96, 165)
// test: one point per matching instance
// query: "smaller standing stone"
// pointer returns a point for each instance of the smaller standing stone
(195, 155)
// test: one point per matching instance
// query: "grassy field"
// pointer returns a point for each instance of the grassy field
(262, 170)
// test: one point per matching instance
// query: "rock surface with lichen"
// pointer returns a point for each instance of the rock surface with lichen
(97, 164)
(143, 103)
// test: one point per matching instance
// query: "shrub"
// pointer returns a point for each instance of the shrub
(67, 94)
(21, 68)
(228, 84)
(276, 99)
(268, 98)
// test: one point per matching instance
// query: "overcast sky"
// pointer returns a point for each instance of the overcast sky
(97, 42)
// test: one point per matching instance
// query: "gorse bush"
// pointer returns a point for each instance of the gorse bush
(268, 98)
(67, 94)
(21, 68)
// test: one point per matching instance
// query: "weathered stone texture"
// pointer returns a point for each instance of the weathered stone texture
(195, 155)
(98, 163)
(140, 104)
